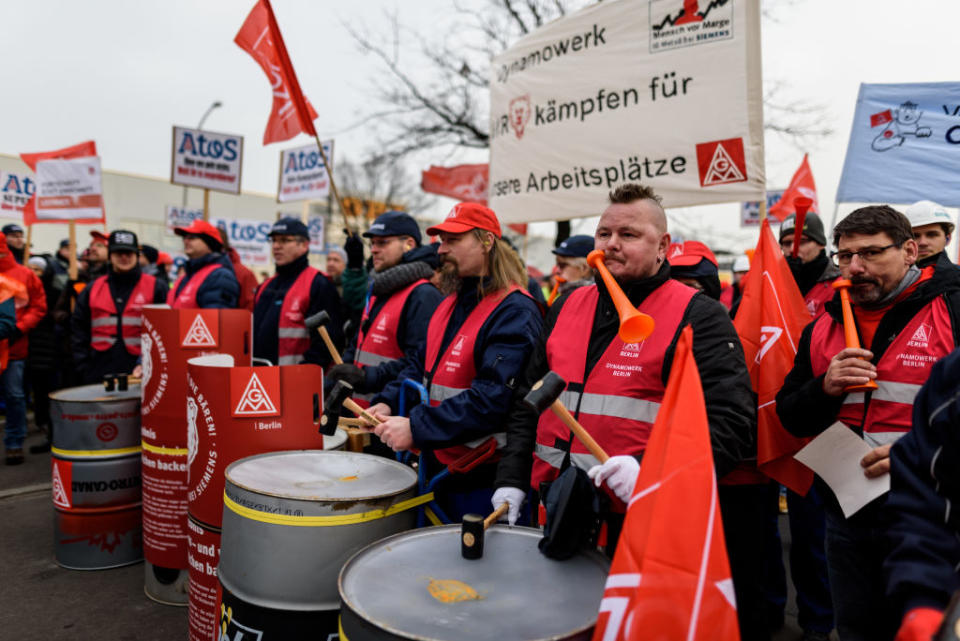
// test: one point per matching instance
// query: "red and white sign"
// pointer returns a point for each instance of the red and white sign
(69, 189)
(255, 391)
(666, 93)
(201, 333)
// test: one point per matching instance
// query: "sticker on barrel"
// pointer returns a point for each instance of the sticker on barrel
(199, 329)
(62, 482)
(255, 391)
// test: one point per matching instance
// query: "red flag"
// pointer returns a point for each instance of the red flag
(463, 182)
(292, 113)
(881, 118)
(80, 150)
(800, 185)
(670, 578)
(771, 317)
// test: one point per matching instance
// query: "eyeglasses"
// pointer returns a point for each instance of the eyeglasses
(283, 240)
(867, 255)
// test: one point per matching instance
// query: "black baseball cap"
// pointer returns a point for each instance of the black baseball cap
(394, 223)
(12, 228)
(289, 226)
(121, 240)
(575, 247)
(812, 228)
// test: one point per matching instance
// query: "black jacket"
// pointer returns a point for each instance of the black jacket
(802, 405)
(93, 364)
(731, 403)
(266, 313)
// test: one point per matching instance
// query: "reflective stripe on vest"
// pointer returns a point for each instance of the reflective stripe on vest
(103, 314)
(622, 393)
(885, 414)
(380, 345)
(186, 298)
(454, 370)
(553, 456)
(293, 337)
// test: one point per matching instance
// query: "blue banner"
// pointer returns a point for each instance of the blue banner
(904, 145)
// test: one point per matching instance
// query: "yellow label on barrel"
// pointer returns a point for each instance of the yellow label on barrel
(452, 591)
(348, 478)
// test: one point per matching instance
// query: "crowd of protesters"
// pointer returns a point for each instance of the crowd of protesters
(462, 318)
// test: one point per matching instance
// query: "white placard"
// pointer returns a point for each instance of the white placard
(750, 211)
(628, 91)
(249, 238)
(315, 225)
(206, 159)
(835, 456)
(303, 176)
(177, 216)
(69, 189)
(15, 191)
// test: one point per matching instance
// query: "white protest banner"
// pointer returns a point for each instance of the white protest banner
(904, 145)
(15, 191)
(750, 211)
(249, 238)
(69, 189)
(662, 92)
(181, 217)
(206, 159)
(315, 225)
(303, 176)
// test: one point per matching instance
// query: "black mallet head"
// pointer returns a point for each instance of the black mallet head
(544, 392)
(332, 405)
(471, 536)
(319, 319)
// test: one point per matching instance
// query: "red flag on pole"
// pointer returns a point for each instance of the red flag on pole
(670, 578)
(84, 149)
(800, 185)
(770, 319)
(463, 182)
(292, 113)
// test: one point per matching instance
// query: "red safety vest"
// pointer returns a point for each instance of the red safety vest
(818, 296)
(726, 297)
(293, 338)
(187, 298)
(103, 314)
(903, 368)
(619, 402)
(380, 344)
(454, 371)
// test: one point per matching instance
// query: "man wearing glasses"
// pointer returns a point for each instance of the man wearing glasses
(399, 306)
(296, 292)
(906, 318)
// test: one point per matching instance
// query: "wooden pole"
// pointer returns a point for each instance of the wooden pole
(206, 205)
(763, 209)
(26, 248)
(305, 213)
(72, 270)
(333, 185)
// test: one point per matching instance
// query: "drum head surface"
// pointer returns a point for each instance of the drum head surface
(95, 394)
(317, 475)
(417, 585)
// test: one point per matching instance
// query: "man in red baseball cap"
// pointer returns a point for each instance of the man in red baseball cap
(692, 263)
(209, 281)
(478, 341)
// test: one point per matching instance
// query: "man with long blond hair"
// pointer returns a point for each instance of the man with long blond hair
(478, 342)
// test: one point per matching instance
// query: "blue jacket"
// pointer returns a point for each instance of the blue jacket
(8, 319)
(220, 289)
(924, 501)
(503, 345)
(266, 313)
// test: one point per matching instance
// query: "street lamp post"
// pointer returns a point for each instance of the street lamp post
(203, 119)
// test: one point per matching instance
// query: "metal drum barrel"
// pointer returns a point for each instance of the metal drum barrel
(96, 477)
(416, 585)
(290, 520)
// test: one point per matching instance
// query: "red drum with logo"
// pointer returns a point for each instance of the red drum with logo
(203, 555)
(235, 412)
(169, 339)
(95, 473)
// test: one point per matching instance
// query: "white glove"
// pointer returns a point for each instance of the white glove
(514, 496)
(619, 473)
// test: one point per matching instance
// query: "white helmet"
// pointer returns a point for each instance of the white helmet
(927, 212)
(741, 264)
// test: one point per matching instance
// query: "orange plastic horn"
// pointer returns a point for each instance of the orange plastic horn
(850, 336)
(801, 205)
(635, 326)
(557, 281)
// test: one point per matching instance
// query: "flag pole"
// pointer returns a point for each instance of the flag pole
(763, 209)
(206, 204)
(333, 185)
(26, 251)
(72, 269)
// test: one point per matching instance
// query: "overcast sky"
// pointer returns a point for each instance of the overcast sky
(123, 72)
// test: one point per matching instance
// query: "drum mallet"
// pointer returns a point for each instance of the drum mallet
(318, 322)
(546, 394)
(339, 397)
(472, 529)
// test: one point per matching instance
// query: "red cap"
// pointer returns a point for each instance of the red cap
(689, 254)
(100, 237)
(200, 228)
(466, 216)
(163, 258)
